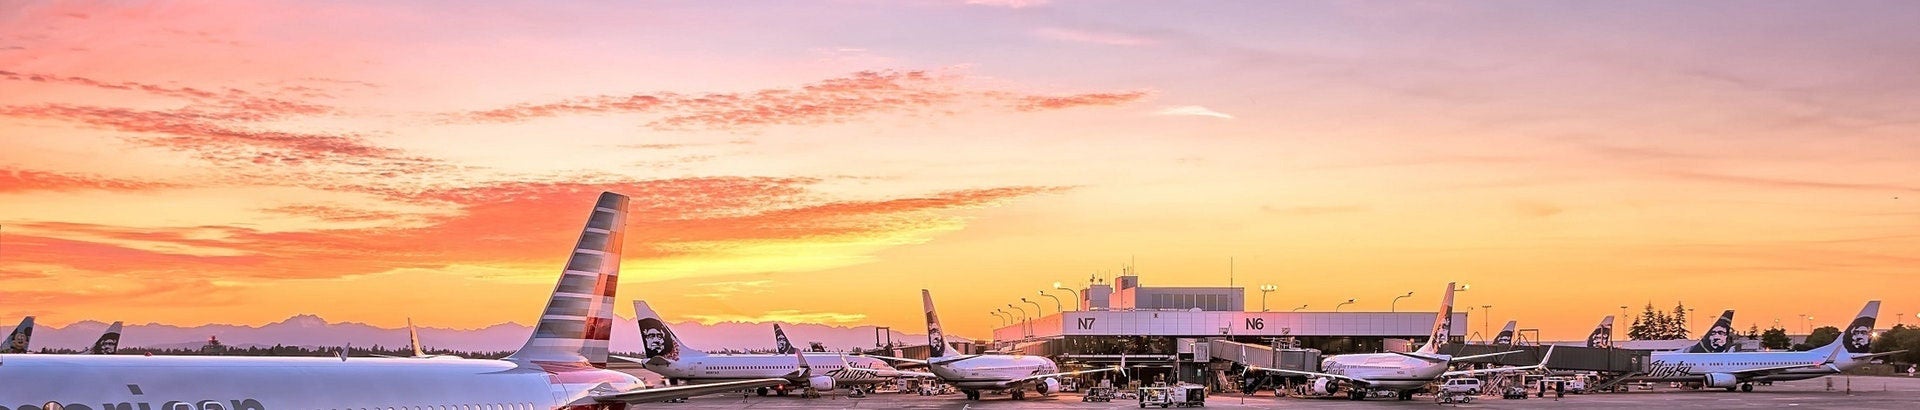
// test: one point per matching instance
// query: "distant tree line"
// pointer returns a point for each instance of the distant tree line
(214, 349)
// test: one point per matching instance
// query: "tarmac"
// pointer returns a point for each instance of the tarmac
(1867, 392)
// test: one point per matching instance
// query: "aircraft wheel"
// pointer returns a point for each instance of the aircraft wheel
(1746, 387)
(762, 391)
(1019, 395)
(781, 393)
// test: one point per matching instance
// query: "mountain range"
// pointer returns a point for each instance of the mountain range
(314, 331)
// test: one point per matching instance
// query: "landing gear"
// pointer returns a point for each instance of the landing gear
(1746, 387)
(780, 392)
(1019, 394)
(1406, 395)
(1356, 394)
(762, 391)
(972, 394)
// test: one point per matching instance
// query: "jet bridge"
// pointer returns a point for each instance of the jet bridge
(1264, 356)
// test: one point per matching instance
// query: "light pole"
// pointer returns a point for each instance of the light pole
(1485, 322)
(1003, 319)
(1336, 308)
(1056, 303)
(1076, 295)
(1023, 311)
(1264, 290)
(1395, 306)
(1690, 318)
(1808, 326)
(1623, 318)
(1298, 308)
(1036, 307)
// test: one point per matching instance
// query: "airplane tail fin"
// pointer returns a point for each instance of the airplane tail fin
(1442, 324)
(1857, 337)
(109, 342)
(578, 320)
(780, 343)
(413, 338)
(17, 341)
(657, 338)
(1602, 336)
(1506, 334)
(1717, 339)
(936, 340)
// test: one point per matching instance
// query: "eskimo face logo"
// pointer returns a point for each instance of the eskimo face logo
(1859, 335)
(780, 343)
(1719, 338)
(1505, 338)
(657, 339)
(108, 344)
(936, 341)
(1601, 337)
(19, 339)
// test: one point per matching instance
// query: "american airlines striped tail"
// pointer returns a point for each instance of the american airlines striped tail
(578, 320)
(1442, 324)
(17, 340)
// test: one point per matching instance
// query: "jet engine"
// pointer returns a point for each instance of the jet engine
(1048, 386)
(1324, 385)
(1721, 380)
(820, 383)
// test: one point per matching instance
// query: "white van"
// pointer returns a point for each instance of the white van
(1467, 385)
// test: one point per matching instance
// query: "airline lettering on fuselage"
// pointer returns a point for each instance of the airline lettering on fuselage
(240, 404)
(1662, 369)
(1256, 323)
(1086, 323)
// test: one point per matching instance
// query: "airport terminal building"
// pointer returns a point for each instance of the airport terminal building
(1170, 327)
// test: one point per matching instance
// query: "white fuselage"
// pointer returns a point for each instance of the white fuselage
(296, 383)
(989, 372)
(1387, 371)
(1677, 366)
(732, 367)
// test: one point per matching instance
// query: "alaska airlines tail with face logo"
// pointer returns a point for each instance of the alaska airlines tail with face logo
(109, 342)
(17, 341)
(1506, 334)
(936, 340)
(1857, 337)
(657, 338)
(780, 343)
(1717, 339)
(1602, 336)
(1442, 324)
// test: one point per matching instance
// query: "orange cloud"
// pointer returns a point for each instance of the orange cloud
(828, 101)
(24, 180)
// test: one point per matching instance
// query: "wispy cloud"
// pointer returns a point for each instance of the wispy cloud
(23, 180)
(1094, 37)
(859, 95)
(1192, 110)
(1012, 4)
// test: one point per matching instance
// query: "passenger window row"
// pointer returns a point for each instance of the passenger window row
(487, 406)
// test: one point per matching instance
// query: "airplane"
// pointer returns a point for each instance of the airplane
(1403, 373)
(413, 340)
(17, 341)
(561, 365)
(1740, 370)
(985, 372)
(670, 357)
(109, 342)
(1505, 338)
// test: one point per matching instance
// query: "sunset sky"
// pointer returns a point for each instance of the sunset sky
(191, 162)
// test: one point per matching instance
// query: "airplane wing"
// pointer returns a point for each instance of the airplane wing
(891, 373)
(1870, 356)
(898, 359)
(657, 394)
(1762, 371)
(1471, 372)
(1038, 377)
(1313, 374)
(1483, 356)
